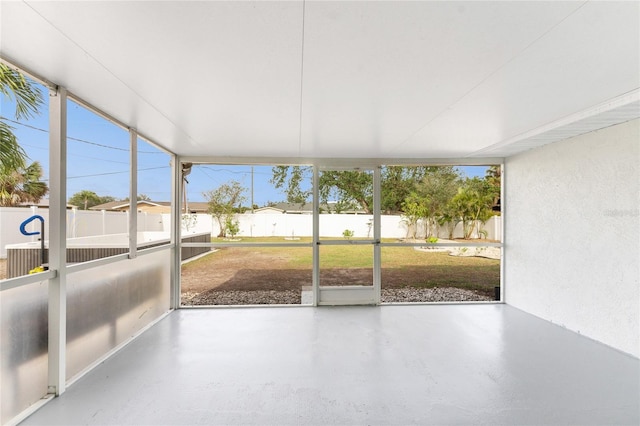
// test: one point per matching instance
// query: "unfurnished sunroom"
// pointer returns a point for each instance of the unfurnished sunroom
(545, 93)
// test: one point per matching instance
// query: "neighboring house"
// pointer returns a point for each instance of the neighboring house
(149, 206)
(286, 208)
(298, 208)
(196, 207)
(43, 204)
(268, 210)
(202, 207)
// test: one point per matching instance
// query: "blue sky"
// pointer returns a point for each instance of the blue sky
(98, 160)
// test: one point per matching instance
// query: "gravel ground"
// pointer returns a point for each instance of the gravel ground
(444, 294)
(288, 297)
(237, 297)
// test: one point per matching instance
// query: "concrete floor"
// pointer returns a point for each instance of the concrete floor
(442, 364)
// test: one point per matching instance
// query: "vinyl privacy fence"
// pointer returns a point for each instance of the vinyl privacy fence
(331, 225)
(80, 223)
(86, 223)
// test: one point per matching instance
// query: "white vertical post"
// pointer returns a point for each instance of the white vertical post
(176, 196)
(502, 229)
(73, 221)
(104, 222)
(57, 239)
(133, 193)
(315, 278)
(34, 211)
(251, 189)
(377, 259)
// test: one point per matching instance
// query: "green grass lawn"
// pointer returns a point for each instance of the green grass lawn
(401, 266)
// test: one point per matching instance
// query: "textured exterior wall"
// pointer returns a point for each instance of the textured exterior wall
(572, 234)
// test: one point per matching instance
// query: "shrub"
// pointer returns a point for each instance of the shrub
(347, 233)
(232, 227)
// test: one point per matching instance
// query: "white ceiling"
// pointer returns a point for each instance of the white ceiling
(359, 79)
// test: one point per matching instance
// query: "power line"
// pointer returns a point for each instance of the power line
(99, 159)
(116, 173)
(80, 140)
(237, 172)
(77, 155)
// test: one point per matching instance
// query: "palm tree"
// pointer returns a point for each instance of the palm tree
(472, 204)
(22, 185)
(18, 182)
(28, 100)
(11, 154)
(85, 199)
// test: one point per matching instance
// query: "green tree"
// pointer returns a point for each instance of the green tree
(224, 202)
(21, 185)
(139, 197)
(290, 180)
(414, 209)
(398, 183)
(28, 100)
(449, 219)
(472, 204)
(352, 188)
(434, 192)
(86, 199)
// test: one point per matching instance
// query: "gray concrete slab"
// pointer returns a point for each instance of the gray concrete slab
(442, 364)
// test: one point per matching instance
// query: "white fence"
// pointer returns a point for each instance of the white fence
(84, 223)
(80, 223)
(331, 225)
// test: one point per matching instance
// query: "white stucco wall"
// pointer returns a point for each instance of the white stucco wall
(572, 234)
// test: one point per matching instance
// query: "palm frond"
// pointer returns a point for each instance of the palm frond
(11, 153)
(16, 86)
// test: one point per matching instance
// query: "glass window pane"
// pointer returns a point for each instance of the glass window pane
(346, 265)
(248, 203)
(249, 276)
(24, 177)
(346, 204)
(440, 274)
(98, 177)
(440, 205)
(445, 202)
(154, 196)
